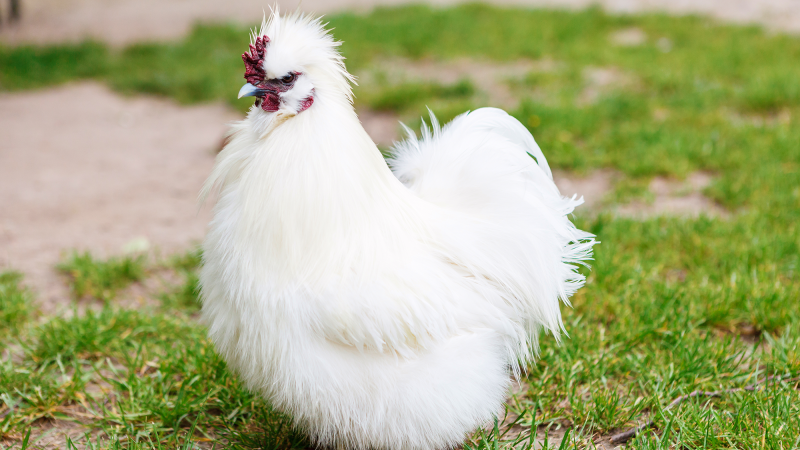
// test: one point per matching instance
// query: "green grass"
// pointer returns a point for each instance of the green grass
(185, 295)
(15, 303)
(101, 279)
(411, 96)
(672, 305)
(28, 67)
(139, 377)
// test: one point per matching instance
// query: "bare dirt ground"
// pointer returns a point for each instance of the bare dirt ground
(673, 197)
(84, 168)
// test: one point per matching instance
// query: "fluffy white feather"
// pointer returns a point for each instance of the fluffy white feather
(380, 308)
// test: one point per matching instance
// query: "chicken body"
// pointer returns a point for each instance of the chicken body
(382, 308)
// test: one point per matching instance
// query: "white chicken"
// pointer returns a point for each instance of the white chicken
(381, 308)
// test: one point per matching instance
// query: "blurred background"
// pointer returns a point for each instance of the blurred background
(677, 120)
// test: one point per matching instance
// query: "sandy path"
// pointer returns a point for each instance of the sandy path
(124, 21)
(83, 168)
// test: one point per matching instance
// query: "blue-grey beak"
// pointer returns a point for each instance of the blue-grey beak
(248, 90)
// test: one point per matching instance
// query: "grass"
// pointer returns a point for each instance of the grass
(185, 295)
(672, 305)
(101, 279)
(411, 96)
(15, 303)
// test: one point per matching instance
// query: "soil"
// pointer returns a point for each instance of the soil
(677, 198)
(592, 187)
(84, 168)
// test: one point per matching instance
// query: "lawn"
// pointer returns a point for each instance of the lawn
(672, 304)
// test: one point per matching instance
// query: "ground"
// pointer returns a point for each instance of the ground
(680, 133)
(110, 170)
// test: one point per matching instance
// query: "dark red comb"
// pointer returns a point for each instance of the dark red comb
(254, 61)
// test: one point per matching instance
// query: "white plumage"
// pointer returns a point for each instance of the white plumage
(381, 308)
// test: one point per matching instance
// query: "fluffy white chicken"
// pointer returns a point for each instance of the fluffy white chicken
(382, 308)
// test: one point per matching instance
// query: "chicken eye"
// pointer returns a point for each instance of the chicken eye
(289, 78)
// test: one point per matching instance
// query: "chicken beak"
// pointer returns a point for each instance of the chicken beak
(248, 90)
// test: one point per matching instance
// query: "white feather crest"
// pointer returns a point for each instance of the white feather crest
(305, 37)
